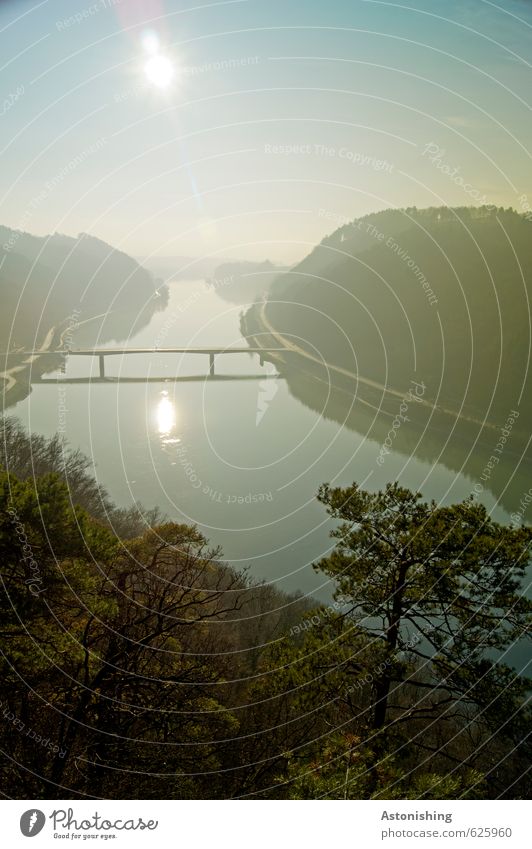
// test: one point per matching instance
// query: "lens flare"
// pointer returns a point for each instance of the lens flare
(150, 43)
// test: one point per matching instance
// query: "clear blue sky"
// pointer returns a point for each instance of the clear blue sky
(280, 119)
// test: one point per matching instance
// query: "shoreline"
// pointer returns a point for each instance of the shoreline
(256, 326)
(17, 379)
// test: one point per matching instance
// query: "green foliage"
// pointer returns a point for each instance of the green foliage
(66, 281)
(345, 769)
(131, 659)
(432, 596)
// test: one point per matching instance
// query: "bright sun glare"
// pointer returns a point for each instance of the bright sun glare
(159, 70)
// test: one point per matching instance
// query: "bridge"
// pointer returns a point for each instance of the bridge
(101, 353)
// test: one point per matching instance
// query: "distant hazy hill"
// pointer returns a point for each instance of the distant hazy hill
(243, 282)
(235, 280)
(440, 295)
(172, 268)
(43, 279)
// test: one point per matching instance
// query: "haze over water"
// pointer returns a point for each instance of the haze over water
(243, 460)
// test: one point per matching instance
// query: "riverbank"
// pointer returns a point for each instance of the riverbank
(258, 330)
(17, 379)
(496, 458)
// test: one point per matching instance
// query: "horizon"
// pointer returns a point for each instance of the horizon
(212, 257)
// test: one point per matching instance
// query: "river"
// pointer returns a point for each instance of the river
(242, 460)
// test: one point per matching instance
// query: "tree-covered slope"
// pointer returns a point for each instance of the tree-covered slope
(439, 295)
(136, 652)
(44, 279)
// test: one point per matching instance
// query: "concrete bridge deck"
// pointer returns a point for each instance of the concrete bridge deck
(102, 353)
(109, 352)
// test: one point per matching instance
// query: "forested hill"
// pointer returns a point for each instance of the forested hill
(440, 295)
(44, 279)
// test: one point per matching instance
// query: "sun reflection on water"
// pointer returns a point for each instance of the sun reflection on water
(166, 419)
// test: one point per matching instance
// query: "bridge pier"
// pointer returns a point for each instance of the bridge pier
(211, 365)
(102, 365)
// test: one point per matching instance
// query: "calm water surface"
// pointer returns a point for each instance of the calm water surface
(242, 460)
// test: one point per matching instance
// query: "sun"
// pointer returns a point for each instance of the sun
(159, 70)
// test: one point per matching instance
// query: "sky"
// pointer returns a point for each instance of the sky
(252, 128)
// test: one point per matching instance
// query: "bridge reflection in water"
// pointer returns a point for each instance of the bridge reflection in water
(264, 354)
